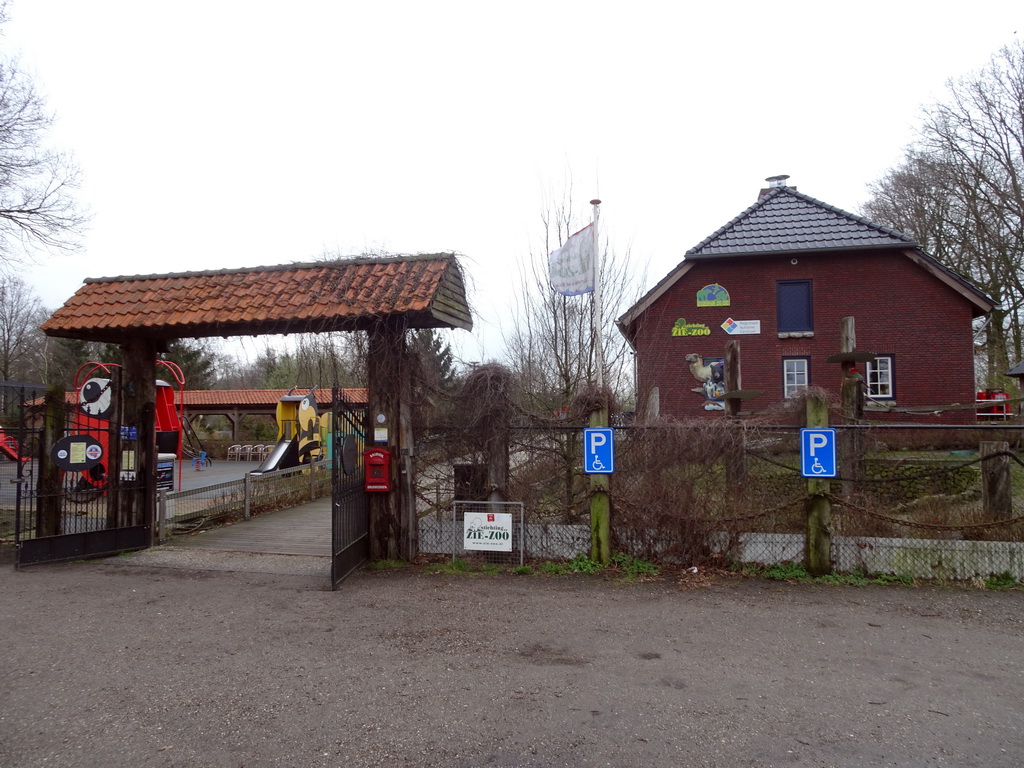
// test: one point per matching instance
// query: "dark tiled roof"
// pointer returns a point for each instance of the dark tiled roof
(785, 220)
(424, 291)
(1017, 370)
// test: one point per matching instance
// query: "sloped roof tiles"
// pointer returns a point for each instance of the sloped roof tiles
(425, 291)
(785, 220)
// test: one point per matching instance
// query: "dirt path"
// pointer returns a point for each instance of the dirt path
(119, 663)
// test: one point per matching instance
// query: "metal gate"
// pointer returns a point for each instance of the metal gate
(72, 470)
(350, 521)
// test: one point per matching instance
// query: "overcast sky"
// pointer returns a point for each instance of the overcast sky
(228, 133)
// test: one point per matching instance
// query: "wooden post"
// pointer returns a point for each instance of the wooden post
(736, 458)
(385, 365)
(600, 503)
(135, 392)
(995, 483)
(851, 441)
(48, 522)
(819, 508)
(407, 463)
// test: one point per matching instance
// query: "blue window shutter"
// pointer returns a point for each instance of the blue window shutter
(793, 301)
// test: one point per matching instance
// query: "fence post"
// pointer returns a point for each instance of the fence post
(600, 503)
(161, 515)
(247, 487)
(995, 483)
(819, 508)
(851, 441)
(736, 457)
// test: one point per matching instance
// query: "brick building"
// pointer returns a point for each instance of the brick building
(779, 278)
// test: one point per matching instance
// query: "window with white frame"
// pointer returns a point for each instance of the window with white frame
(878, 375)
(795, 375)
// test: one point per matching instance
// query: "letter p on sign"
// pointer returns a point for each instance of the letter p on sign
(599, 451)
(818, 452)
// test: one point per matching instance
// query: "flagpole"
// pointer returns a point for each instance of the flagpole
(598, 300)
(600, 500)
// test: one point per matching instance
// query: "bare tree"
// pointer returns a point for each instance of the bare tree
(960, 193)
(37, 207)
(20, 315)
(551, 346)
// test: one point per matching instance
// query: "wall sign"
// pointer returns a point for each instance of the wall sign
(713, 295)
(683, 328)
(740, 327)
(488, 531)
(76, 453)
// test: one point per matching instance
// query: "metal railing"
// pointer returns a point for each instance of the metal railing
(184, 511)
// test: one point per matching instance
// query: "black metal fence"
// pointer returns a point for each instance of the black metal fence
(70, 489)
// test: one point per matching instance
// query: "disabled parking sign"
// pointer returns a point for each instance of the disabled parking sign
(818, 452)
(599, 451)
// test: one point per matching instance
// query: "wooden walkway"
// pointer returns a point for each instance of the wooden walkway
(304, 530)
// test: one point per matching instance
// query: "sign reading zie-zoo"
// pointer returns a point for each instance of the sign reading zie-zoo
(488, 530)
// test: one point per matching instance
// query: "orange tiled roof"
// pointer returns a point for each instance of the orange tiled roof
(425, 291)
(262, 397)
(226, 398)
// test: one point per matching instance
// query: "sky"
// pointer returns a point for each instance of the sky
(219, 134)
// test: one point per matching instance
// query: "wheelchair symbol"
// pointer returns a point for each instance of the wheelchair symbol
(597, 464)
(817, 468)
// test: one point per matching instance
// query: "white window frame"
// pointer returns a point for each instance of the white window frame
(880, 379)
(792, 375)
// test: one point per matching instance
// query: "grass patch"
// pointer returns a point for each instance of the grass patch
(634, 567)
(795, 572)
(583, 564)
(386, 565)
(1003, 581)
(458, 565)
(522, 570)
(552, 568)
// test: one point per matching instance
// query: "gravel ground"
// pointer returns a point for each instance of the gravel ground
(216, 659)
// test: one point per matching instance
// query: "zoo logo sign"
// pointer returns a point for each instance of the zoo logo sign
(488, 531)
(683, 328)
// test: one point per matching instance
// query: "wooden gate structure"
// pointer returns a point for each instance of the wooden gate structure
(383, 296)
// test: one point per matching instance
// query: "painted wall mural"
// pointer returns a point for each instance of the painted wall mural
(713, 295)
(710, 373)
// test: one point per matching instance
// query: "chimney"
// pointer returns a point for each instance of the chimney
(773, 182)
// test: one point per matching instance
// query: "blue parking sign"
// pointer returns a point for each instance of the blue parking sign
(818, 452)
(599, 451)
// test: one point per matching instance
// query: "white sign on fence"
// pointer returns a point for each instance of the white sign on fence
(491, 531)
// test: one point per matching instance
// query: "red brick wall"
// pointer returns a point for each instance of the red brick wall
(900, 310)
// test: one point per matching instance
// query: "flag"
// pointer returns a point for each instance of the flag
(571, 267)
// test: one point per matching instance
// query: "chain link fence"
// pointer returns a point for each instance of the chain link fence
(909, 502)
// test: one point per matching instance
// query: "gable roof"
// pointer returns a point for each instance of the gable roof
(206, 399)
(242, 399)
(425, 291)
(784, 221)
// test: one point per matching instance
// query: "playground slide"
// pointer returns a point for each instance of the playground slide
(285, 454)
(9, 447)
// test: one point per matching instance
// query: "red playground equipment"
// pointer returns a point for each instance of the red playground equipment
(92, 418)
(9, 447)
